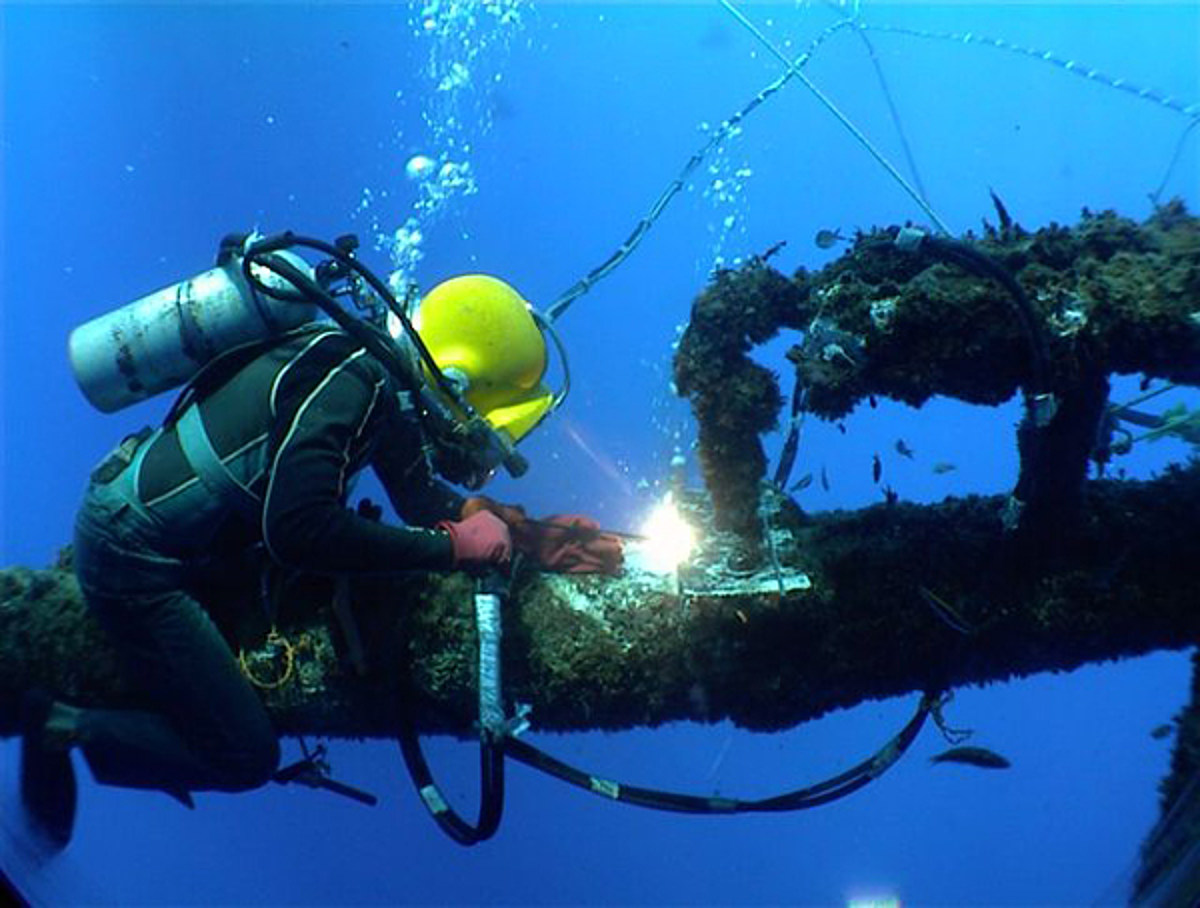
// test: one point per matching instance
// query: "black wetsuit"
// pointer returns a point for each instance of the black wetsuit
(294, 426)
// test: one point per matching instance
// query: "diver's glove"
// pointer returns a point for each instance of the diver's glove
(519, 525)
(481, 539)
(565, 543)
(571, 544)
(512, 514)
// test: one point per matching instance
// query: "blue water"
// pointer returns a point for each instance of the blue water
(134, 137)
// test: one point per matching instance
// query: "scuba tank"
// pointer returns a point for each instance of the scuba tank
(259, 289)
(162, 340)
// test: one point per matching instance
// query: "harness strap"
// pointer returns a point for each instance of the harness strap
(202, 457)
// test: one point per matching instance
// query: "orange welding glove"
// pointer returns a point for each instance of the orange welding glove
(571, 544)
(481, 539)
(512, 514)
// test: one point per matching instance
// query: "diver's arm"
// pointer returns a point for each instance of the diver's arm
(405, 472)
(305, 522)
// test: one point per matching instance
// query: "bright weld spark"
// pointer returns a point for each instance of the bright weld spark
(669, 538)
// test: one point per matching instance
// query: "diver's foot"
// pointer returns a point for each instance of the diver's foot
(48, 789)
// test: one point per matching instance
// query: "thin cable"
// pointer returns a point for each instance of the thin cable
(841, 117)
(861, 31)
(726, 129)
(1191, 110)
(1179, 146)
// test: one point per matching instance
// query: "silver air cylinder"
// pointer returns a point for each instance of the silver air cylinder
(160, 341)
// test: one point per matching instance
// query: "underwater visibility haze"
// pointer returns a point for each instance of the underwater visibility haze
(533, 141)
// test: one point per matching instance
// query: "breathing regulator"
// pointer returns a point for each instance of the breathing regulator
(476, 383)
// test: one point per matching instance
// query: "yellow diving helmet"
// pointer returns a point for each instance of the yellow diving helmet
(483, 335)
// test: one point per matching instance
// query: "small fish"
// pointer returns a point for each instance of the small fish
(872, 401)
(827, 239)
(774, 249)
(802, 483)
(945, 611)
(903, 449)
(824, 480)
(876, 469)
(841, 427)
(943, 467)
(972, 756)
(890, 496)
(1163, 731)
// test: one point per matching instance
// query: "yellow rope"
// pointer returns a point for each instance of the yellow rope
(276, 639)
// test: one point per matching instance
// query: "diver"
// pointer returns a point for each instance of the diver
(259, 462)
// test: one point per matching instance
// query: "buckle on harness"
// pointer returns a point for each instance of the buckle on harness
(120, 457)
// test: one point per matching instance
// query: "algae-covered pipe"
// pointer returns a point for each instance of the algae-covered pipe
(591, 652)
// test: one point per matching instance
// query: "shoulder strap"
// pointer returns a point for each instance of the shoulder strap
(200, 454)
(194, 440)
(224, 366)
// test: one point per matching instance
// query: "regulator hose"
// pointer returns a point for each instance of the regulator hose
(968, 257)
(372, 338)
